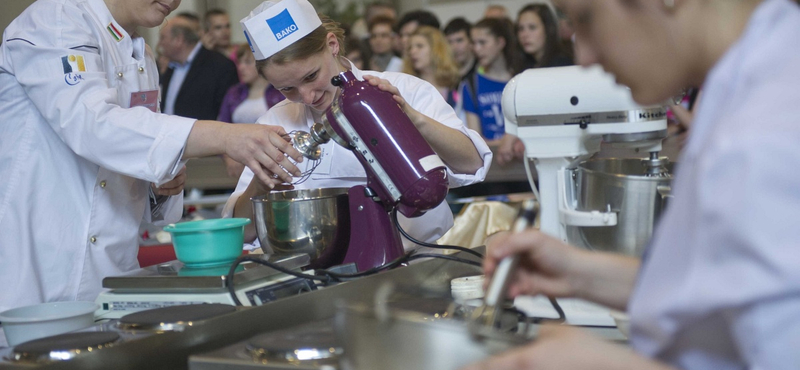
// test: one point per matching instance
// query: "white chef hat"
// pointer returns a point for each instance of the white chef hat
(274, 25)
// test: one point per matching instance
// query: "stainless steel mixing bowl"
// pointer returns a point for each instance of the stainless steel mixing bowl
(312, 221)
(621, 186)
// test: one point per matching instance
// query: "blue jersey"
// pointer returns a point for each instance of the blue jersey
(489, 94)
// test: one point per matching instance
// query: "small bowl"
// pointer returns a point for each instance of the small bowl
(23, 324)
(207, 243)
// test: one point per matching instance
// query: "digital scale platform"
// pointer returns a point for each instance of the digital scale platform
(173, 284)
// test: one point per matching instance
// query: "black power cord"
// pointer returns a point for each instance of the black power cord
(431, 245)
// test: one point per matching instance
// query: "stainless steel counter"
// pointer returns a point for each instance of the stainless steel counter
(171, 350)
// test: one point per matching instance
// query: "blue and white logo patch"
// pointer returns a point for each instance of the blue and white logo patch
(282, 25)
(274, 25)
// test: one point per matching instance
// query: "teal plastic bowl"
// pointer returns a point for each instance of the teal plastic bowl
(208, 243)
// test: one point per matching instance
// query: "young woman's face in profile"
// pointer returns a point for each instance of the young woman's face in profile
(633, 40)
(419, 50)
(247, 68)
(487, 47)
(530, 31)
(306, 81)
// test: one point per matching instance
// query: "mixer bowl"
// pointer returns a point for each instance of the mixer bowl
(618, 185)
(311, 221)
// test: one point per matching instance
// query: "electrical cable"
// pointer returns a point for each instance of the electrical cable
(431, 245)
(231, 271)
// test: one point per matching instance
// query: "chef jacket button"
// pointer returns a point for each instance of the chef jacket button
(102, 184)
(93, 239)
(141, 69)
(119, 74)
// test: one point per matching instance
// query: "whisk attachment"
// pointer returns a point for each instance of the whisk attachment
(310, 149)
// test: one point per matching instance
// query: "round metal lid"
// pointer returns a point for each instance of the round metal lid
(62, 347)
(173, 318)
(296, 345)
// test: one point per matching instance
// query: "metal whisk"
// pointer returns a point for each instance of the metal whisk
(315, 162)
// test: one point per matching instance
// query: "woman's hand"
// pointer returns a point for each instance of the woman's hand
(568, 348)
(261, 148)
(546, 264)
(172, 187)
(416, 117)
(509, 148)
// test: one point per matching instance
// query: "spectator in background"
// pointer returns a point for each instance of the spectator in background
(360, 30)
(498, 60)
(495, 11)
(197, 79)
(217, 33)
(537, 32)
(246, 101)
(429, 58)
(356, 53)
(457, 34)
(409, 22)
(565, 32)
(381, 36)
(193, 21)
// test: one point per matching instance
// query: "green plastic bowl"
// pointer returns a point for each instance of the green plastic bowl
(208, 243)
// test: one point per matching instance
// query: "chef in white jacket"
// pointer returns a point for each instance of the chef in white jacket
(84, 155)
(719, 285)
(301, 65)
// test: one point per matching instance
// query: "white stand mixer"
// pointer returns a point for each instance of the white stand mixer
(562, 115)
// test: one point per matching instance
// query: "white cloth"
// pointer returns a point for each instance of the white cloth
(719, 287)
(179, 72)
(342, 169)
(76, 165)
(395, 65)
(250, 110)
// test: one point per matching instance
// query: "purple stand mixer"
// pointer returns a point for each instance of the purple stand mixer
(402, 169)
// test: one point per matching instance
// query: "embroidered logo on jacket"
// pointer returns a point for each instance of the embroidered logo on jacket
(282, 25)
(73, 64)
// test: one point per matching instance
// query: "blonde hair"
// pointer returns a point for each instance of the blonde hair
(308, 46)
(445, 70)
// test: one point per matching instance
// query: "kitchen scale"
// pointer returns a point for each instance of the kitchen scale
(172, 284)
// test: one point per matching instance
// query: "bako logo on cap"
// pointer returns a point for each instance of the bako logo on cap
(282, 25)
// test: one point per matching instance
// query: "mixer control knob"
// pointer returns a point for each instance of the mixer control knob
(336, 81)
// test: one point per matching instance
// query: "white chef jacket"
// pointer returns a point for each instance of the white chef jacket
(719, 287)
(75, 165)
(340, 168)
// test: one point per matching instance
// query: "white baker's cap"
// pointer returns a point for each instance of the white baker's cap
(274, 25)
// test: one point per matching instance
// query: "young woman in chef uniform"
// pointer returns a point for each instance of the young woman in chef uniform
(301, 64)
(81, 142)
(719, 285)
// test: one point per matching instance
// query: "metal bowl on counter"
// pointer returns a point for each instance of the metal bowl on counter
(635, 189)
(312, 221)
